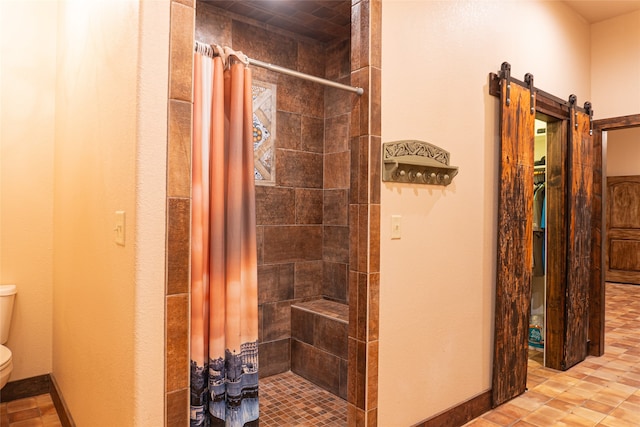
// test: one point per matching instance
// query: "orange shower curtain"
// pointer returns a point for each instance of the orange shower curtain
(224, 297)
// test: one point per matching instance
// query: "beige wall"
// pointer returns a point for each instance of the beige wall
(623, 152)
(615, 66)
(109, 155)
(437, 282)
(151, 177)
(27, 102)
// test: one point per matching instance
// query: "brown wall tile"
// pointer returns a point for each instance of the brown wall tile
(308, 206)
(360, 123)
(361, 374)
(362, 298)
(178, 245)
(288, 130)
(275, 282)
(300, 96)
(308, 279)
(356, 35)
(302, 325)
(276, 323)
(319, 367)
(375, 31)
(311, 58)
(312, 134)
(352, 361)
(211, 26)
(372, 375)
(336, 207)
(336, 170)
(180, 52)
(335, 285)
(354, 230)
(344, 370)
(375, 169)
(372, 418)
(374, 306)
(177, 407)
(274, 357)
(298, 169)
(265, 45)
(292, 243)
(338, 59)
(177, 342)
(179, 150)
(337, 134)
(331, 336)
(375, 107)
(353, 304)
(260, 243)
(274, 205)
(336, 244)
(363, 169)
(374, 238)
(355, 416)
(363, 241)
(354, 184)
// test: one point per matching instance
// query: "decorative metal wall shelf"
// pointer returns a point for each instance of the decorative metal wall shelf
(416, 162)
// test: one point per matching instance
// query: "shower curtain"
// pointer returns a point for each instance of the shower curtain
(224, 301)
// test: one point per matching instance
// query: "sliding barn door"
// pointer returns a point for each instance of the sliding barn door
(515, 235)
(579, 199)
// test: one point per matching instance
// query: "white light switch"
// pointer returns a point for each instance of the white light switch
(396, 229)
(120, 227)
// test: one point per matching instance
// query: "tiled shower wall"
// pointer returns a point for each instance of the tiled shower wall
(302, 233)
(363, 182)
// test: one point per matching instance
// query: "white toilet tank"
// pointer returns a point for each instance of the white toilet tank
(7, 295)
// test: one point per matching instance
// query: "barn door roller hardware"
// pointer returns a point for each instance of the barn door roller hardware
(416, 162)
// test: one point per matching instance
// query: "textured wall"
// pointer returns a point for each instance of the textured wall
(26, 178)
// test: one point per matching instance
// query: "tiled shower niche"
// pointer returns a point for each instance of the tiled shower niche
(302, 219)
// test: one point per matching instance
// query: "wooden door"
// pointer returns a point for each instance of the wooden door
(579, 199)
(623, 229)
(515, 234)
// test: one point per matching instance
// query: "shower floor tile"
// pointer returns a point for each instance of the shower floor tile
(289, 400)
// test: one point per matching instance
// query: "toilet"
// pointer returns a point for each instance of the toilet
(7, 295)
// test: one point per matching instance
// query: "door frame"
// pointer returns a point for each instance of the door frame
(599, 227)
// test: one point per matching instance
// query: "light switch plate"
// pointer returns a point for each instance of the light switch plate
(120, 227)
(396, 229)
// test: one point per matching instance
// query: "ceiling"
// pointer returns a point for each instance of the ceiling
(600, 10)
(322, 20)
(327, 20)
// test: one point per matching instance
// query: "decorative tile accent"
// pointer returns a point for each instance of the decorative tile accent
(264, 131)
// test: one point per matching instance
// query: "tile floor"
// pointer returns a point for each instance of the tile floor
(601, 391)
(35, 411)
(290, 400)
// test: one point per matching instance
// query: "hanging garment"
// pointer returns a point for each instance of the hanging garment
(538, 230)
(224, 301)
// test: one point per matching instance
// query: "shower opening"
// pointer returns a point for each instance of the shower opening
(302, 141)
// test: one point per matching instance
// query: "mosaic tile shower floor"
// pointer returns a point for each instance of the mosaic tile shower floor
(601, 391)
(290, 400)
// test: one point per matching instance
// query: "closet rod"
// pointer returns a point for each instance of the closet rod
(293, 73)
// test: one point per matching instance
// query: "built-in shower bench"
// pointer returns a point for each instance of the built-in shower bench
(319, 343)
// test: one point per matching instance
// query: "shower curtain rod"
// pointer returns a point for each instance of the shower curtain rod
(278, 69)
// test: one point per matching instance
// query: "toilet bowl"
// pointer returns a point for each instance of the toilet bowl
(7, 295)
(6, 365)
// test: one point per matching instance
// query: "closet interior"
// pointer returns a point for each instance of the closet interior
(537, 330)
